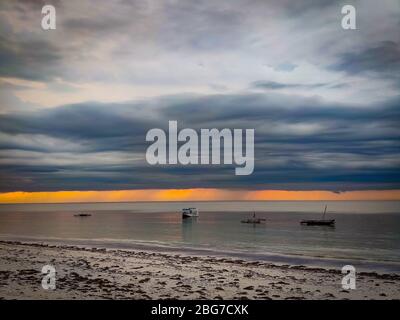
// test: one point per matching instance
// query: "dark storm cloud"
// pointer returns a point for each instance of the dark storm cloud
(254, 108)
(278, 85)
(94, 26)
(79, 121)
(295, 6)
(119, 32)
(300, 144)
(27, 6)
(38, 4)
(202, 25)
(383, 59)
(24, 54)
(28, 59)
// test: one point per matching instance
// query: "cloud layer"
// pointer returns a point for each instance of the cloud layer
(76, 102)
(301, 143)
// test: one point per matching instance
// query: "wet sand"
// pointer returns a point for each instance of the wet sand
(93, 273)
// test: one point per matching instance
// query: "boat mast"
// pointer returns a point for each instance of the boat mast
(323, 217)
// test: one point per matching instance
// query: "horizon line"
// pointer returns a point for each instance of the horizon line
(195, 194)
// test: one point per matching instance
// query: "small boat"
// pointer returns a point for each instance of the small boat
(82, 215)
(254, 220)
(189, 213)
(319, 222)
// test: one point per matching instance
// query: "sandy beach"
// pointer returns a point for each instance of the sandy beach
(92, 273)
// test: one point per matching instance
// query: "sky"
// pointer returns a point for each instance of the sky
(76, 102)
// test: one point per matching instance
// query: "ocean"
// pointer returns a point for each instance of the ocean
(366, 235)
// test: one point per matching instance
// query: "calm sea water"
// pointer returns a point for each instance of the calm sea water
(367, 234)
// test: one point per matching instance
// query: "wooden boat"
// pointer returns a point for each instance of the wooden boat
(82, 215)
(319, 222)
(253, 220)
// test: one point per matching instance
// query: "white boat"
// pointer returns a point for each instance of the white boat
(190, 212)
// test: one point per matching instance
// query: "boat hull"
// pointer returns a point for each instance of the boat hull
(318, 222)
(189, 215)
(253, 221)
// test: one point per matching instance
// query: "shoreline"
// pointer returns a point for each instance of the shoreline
(325, 262)
(99, 273)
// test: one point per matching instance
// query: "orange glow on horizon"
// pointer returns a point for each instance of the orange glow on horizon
(192, 195)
